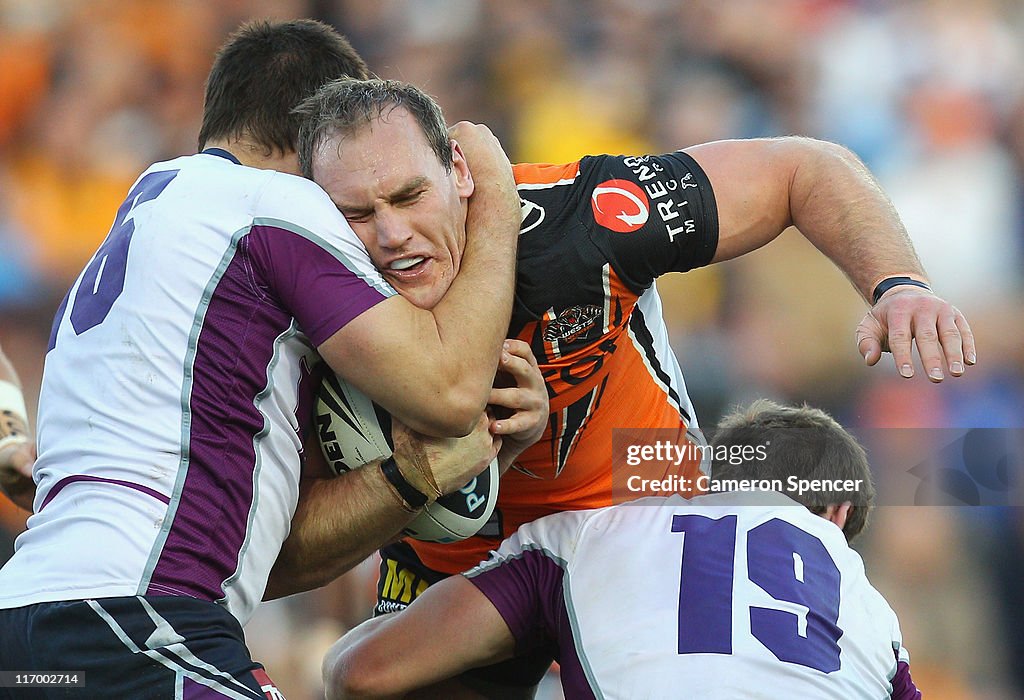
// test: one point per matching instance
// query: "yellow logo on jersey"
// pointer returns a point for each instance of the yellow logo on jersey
(401, 585)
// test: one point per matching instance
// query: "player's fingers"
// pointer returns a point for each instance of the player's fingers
(970, 352)
(952, 343)
(925, 327)
(523, 370)
(518, 422)
(511, 397)
(521, 349)
(516, 398)
(869, 343)
(899, 339)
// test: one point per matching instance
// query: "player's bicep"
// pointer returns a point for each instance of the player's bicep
(751, 180)
(390, 352)
(453, 606)
(365, 332)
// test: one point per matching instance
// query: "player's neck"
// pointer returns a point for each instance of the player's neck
(255, 155)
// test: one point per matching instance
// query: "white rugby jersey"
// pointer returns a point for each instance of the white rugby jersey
(714, 597)
(176, 382)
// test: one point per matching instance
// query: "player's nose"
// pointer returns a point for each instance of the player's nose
(392, 231)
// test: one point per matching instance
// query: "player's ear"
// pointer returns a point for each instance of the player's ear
(838, 513)
(463, 177)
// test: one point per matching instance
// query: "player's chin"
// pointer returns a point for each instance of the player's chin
(417, 295)
(424, 293)
(425, 298)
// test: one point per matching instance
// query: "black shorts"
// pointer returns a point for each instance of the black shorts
(403, 577)
(133, 647)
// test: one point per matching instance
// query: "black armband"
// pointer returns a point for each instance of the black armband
(409, 493)
(890, 282)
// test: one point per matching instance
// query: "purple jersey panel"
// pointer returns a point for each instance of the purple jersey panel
(59, 486)
(903, 687)
(321, 292)
(275, 275)
(235, 346)
(528, 593)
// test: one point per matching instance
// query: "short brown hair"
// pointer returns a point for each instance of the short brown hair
(263, 70)
(345, 106)
(804, 442)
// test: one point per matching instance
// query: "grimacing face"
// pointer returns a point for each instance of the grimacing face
(408, 211)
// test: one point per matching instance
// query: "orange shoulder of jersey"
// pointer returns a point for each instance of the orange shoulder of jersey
(527, 174)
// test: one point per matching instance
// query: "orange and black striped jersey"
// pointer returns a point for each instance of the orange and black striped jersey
(595, 235)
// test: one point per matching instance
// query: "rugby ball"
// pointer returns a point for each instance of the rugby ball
(353, 430)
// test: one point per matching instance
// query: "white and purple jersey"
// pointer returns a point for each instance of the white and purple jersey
(714, 597)
(176, 382)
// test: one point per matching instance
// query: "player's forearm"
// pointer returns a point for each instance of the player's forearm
(363, 663)
(837, 204)
(340, 666)
(338, 523)
(472, 318)
(762, 186)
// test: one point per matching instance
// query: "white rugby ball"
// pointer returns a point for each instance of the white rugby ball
(353, 430)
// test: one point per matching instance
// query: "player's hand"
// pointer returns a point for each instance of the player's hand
(439, 466)
(16, 460)
(489, 167)
(480, 147)
(523, 405)
(910, 314)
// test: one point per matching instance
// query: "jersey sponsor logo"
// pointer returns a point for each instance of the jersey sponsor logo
(400, 585)
(620, 205)
(666, 193)
(533, 215)
(573, 323)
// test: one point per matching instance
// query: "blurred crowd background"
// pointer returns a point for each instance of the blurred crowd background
(929, 93)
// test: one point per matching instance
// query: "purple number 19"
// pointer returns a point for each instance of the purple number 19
(789, 564)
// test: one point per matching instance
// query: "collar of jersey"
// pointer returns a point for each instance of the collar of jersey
(220, 152)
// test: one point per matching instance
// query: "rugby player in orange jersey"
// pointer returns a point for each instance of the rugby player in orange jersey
(595, 234)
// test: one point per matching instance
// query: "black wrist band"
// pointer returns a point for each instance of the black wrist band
(890, 282)
(413, 498)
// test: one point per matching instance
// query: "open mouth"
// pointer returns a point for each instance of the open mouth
(406, 264)
(408, 270)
